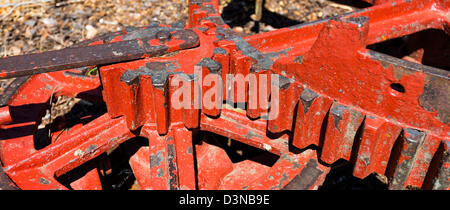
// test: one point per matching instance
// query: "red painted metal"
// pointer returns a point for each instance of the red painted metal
(5, 116)
(337, 100)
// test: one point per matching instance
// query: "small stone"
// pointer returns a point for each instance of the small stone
(49, 22)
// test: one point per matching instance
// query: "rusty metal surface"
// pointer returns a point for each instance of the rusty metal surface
(12, 89)
(5, 115)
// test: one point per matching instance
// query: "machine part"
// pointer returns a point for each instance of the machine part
(338, 101)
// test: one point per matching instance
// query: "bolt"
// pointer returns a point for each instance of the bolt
(163, 36)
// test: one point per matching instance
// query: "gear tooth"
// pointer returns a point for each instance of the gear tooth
(414, 151)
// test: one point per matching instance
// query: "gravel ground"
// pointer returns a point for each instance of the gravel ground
(55, 24)
(49, 26)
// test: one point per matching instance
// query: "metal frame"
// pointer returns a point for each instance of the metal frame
(384, 114)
